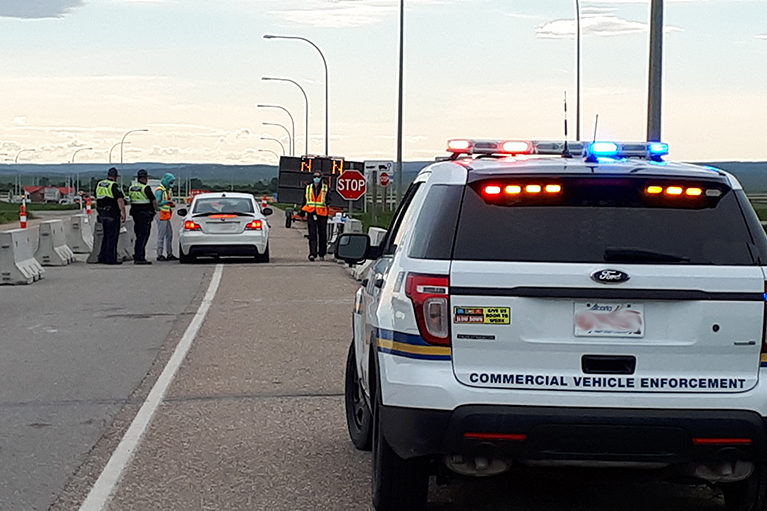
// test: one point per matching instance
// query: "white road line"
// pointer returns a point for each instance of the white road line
(106, 484)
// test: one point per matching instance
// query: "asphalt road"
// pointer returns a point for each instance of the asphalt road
(74, 347)
(254, 419)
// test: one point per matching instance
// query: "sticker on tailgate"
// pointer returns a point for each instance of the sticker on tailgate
(483, 315)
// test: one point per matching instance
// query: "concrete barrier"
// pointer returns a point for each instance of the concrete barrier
(80, 234)
(52, 250)
(17, 262)
(125, 243)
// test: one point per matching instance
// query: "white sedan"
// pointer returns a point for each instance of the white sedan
(224, 224)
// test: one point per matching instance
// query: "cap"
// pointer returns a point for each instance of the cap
(112, 172)
(142, 173)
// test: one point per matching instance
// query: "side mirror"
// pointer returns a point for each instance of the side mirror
(267, 211)
(182, 212)
(352, 247)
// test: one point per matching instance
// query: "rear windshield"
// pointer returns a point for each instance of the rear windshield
(223, 205)
(623, 220)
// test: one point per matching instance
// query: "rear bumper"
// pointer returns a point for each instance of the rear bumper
(200, 244)
(522, 433)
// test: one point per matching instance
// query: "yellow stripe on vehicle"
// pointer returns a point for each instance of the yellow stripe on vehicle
(417, 350)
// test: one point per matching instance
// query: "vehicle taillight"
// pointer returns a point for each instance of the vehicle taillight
(254, 225)
(430, 296)
(189, 225)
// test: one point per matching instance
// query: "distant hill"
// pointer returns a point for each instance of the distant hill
(753, 175)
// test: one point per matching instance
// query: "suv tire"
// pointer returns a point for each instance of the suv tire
(747, 495)
(398, 484)
(359, 420)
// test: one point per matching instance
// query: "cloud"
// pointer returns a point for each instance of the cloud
(601, 25)
(343, 13)
(762, 36)
(20, 121)
(37, 9)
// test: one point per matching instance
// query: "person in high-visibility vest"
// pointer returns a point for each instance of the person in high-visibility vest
(164, 195)
(110, 205)
(143, 205)
(316, 198)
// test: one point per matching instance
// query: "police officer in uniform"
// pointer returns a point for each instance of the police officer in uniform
(110, 205)
(316, 207)
(143, 208)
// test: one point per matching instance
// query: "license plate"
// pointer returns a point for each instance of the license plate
(599, 319)
(223, 227)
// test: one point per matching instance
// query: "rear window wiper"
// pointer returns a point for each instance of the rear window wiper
(616, 255)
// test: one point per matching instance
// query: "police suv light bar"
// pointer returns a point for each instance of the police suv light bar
(467, 146)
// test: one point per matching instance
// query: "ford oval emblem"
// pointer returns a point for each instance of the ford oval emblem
(610, 276)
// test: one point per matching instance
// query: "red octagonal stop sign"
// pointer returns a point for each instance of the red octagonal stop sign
(351, 185)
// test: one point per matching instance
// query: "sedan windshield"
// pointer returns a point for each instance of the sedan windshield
(216, 205)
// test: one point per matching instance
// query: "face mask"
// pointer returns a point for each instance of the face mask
(317, 180)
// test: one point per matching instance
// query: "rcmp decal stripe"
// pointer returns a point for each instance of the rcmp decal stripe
(764, 359)
(410, 346)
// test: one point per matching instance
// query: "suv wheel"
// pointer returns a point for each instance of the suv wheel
(398, 484)
(748, 495)
(359, 420)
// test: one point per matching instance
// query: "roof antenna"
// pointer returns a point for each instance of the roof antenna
(566, 152)
(596, 125)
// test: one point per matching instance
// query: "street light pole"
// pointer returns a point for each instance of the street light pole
(292, 123)
(269, 151)
(398, 173)
(655, 87)
(72, 161)
(306, 110)
(292, 149)
(112, 149)
(123, 141)
(325, 63)
(275, 140)
(577, 70)
(15, 161)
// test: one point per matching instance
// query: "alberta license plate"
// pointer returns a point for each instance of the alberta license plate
(600, 319)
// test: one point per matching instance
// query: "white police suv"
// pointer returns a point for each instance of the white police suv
(558, 304)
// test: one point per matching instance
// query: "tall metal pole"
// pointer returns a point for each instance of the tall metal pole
(72, 162)
(577, 70)
(655, 87)
(291, 142)
(15, 161)
(292, 123)
(398, 173)
(123, 142)
(306, 110)
(275, 140)
(325, 63)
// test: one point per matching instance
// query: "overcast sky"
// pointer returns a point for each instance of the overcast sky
(81, 73)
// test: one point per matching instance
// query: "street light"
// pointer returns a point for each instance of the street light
(292, 149)
(72, 161)
(275, 140)
(292, 122)
(18, 175)
(123, 141)
(655, 87)
(269, 151)
(398, 173)
(306, 109)
(112, 149)
(577, 70)
(325, 63)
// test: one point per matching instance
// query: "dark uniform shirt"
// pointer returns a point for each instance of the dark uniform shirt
(109, 203)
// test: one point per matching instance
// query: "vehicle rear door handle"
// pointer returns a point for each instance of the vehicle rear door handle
(608, 364)
(379, 283)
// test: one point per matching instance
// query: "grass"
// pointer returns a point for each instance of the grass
(9, 212)
(383, 220)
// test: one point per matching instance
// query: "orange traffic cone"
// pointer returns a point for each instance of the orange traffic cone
(264, 203)
(88, 204)
(23, 214)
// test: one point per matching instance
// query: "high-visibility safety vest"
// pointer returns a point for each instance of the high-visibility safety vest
(137, 194)
(165, 210)
(316, 203)
(104, 189)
